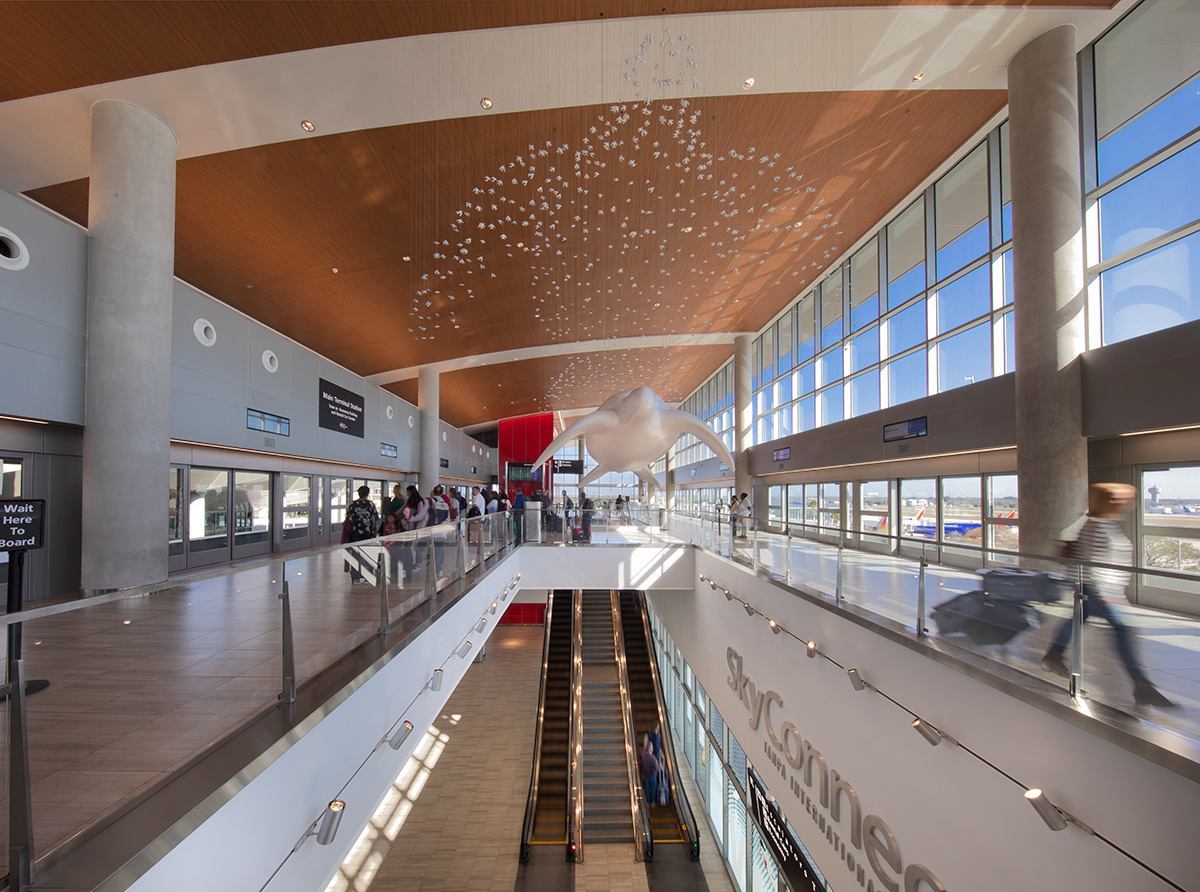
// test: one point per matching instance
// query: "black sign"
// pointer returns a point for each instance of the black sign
(906, 430)
(21, 524)
(800, 874)
(340, 410)
(444, 462)
(782, 454)
(567, 466)
(522, 472)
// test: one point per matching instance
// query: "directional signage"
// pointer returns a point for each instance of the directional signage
(22, 522)
(788, 856)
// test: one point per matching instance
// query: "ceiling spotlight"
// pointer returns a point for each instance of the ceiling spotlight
(479, 625)
(859, 684)
(308, 126)
(406, 258)
(435, 683)
(686, 229)
(494, 606)
(462, 651)
(1048, 810)
(749, 610)
(917, 77)
(811, 647)
(775, 627)
(485, 102)
(748, 83)
(728, 595)
(712, 585)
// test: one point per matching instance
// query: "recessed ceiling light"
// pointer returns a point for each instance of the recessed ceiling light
(687, 229)
(918, 76)
(308, 126)
(748, 83)
(406, 258)
(485, 102)
(335, 269)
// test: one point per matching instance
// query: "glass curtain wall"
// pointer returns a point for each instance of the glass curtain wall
(718, 767)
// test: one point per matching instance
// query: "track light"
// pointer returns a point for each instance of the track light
(701, 577)
(775, 627)
(504, 595)
(712, 585)
(749, 610)
(859, 684)
(462, 651)
(397, 740)
(435, 683)
(494, 606)
(479, 625)
(811, 647)
(330, 818)
(728, 595)
(1048, 810)
(930, 733)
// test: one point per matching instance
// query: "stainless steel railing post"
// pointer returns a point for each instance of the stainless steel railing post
(288, 694)
(1075, 683)
(922, 631)
(20, 803)
(383, 594)
(838, 583)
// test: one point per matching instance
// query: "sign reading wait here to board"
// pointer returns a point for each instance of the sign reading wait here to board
(21, 524)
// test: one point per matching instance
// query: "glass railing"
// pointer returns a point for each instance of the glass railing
(975, 599)
(142, 681)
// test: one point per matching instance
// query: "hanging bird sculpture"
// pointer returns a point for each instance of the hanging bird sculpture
(630, 431)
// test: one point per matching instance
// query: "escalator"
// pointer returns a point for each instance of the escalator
(672, 824)
(546, 809)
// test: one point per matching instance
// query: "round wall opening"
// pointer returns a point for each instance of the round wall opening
(390, 412)
(410, 421)
(13, 253)
(204, 332)
(270, 361)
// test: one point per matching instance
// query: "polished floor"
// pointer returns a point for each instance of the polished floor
(452, 819)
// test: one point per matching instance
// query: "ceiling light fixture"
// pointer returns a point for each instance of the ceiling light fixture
(485, 102)
(748, 83)
(917, 77)
(308, 126)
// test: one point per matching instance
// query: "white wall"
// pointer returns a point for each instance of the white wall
(257, 819)
(961, 820)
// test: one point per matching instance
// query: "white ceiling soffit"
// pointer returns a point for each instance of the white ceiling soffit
(657, 342)
(261, 101)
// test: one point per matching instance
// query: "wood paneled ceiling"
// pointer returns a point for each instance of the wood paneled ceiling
(389, 248)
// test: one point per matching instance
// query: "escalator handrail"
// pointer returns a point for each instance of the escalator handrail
(643, 839)
(531, 801)
(575, 741)
(683, 808)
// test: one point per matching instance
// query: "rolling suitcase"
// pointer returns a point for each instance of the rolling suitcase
(983, 619)
(1024, 585)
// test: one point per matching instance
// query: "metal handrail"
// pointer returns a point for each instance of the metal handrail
(531, 801)
(643, 839)
(575, 738)
(683, 808)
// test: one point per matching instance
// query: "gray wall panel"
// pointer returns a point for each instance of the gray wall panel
(43, 317)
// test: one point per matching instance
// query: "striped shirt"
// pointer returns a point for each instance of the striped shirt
(1102, 540)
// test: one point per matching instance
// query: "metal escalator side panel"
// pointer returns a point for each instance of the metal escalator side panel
(642, 836)
(535, 771)
(574, 802)
(683, 810)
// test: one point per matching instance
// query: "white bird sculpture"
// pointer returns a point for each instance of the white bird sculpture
(631, 430)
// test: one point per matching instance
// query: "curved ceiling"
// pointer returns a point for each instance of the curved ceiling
(624, 189)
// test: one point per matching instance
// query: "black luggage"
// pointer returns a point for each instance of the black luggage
(983, 619)
(1024, 585)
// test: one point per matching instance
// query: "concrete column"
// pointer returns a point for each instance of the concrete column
(131, 265)
(430, 468)
(743, 413)
(1048, 281)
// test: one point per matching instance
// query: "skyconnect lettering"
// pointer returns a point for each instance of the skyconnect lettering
(827, 797)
